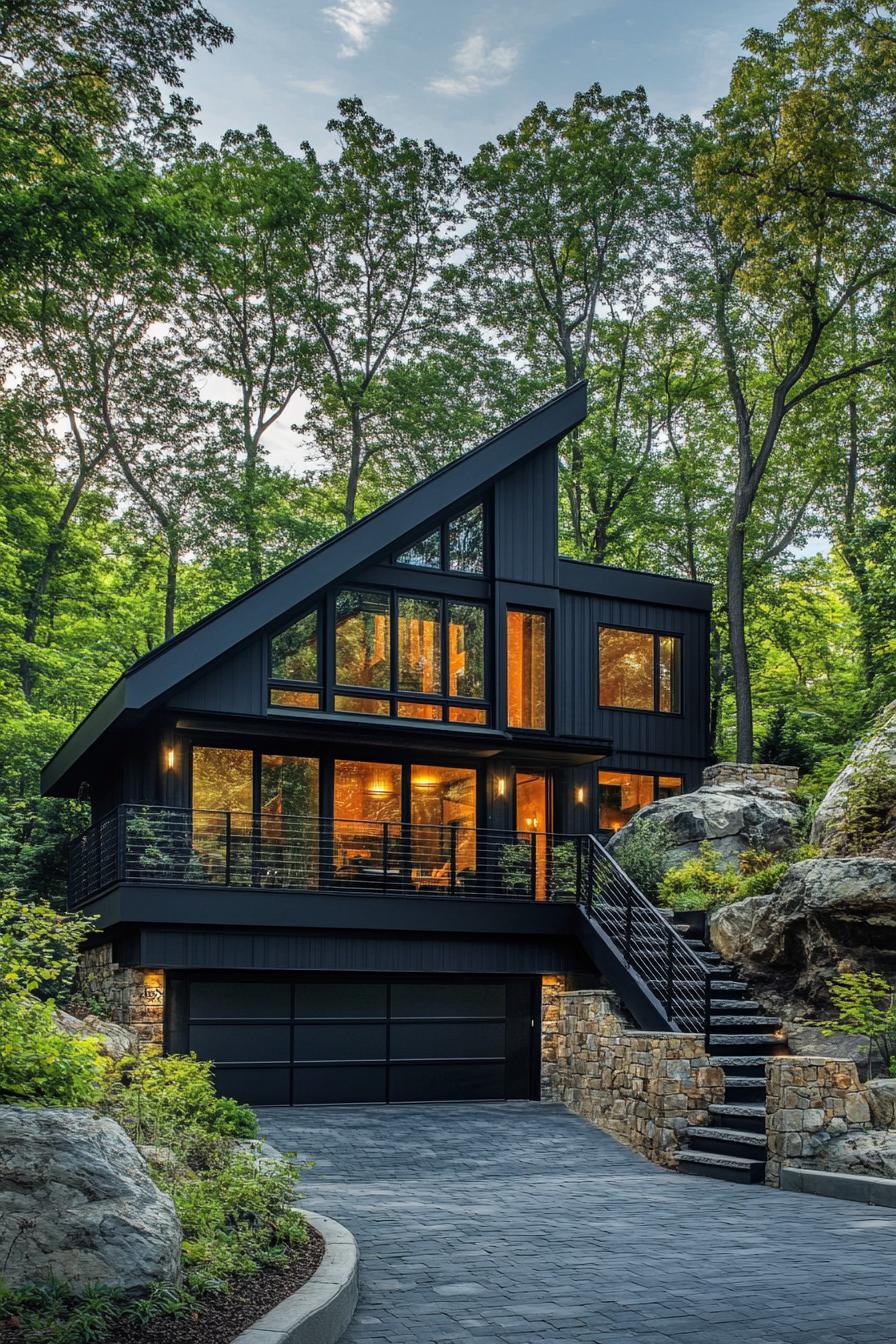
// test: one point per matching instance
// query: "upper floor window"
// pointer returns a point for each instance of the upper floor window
(363, 643)
(457, 546)
(527, 640)
(295, 657)
(639, 669)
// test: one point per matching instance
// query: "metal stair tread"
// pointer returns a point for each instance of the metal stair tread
(754, 1109)
(733, 1005)
(720, 1135)
(739, 985)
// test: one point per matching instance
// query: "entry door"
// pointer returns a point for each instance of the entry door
(329, 1040)
(533, 813)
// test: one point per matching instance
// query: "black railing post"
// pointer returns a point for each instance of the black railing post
(227, 852)
(385, 855)
(533, 865)
(707, 1007)
(670, 973)
(452, 856)
(628, 926)
(578, 870)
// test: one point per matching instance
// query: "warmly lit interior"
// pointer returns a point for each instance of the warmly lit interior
(442, 797)
(362, 639)
(366, 794)
(420, 645)
(621, 794)
(526, 669)
(639, 670)
(532, 817)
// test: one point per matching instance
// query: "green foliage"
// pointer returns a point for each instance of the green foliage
(705, 883)
(41, 1065)
(515, 866)
(865, 1005)
(39, 948)
(643, 854)
(161, 1099)
(52, 1313)
(869, 809)
(783, 744)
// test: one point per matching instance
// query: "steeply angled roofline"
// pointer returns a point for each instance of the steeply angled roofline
(158, 673)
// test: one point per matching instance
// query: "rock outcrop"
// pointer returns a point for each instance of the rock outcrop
(114, 1040)
(77, 1204)
(824, 912)
(732, 817)
(872, 1153)
(879, 745)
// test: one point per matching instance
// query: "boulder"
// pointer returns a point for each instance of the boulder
(823, 913)
(77, 1204)
(114, 1040)
(880, 744)
(870, 1152)
(880, 1094)
(732, 817)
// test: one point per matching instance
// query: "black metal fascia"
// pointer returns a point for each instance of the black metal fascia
(634, 585)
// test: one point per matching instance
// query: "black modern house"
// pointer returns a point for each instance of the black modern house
(351, 821)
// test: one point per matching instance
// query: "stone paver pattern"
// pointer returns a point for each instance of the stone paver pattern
(522, 1223)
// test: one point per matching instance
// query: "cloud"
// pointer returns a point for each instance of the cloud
(357, 19)
(477, 67)
(319, 86)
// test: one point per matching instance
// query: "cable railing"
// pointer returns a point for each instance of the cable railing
(647, 942)
(140, 843)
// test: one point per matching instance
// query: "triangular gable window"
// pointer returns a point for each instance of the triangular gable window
(458, 545)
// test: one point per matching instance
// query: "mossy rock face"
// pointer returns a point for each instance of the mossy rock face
(875, 755)
(730, 817)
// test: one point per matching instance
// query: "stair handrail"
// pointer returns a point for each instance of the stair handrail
(660, 972)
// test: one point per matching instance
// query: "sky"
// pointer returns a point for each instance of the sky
(460, 71)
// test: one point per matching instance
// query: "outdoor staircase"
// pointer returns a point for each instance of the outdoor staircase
(732, 1147)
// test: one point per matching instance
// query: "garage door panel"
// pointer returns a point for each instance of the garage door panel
(446, 1082)
(448, 1040)
(340, 1040)
(445, 999)
(240, 999)
(254, 1086)
(346, 998)
(241, 1041)
(334, 1084)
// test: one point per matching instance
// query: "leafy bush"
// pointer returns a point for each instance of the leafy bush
(39, 948)
(52, 1313)
(515, 865)
(701, 883)
(158, 1098)
(644, 854)
(869, 810)
(865, 1005)
(763, 880)
(41, 1065)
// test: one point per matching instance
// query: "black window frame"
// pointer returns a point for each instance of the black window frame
(444, 566)
(548, 614)
(655, 775)
(275, 683)
(656, 635)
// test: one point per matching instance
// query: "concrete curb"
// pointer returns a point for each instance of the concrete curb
(321, 1310)
(840, 1185)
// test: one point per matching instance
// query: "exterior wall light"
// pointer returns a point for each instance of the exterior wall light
(501, 786)
(169, 758)
(580, 794)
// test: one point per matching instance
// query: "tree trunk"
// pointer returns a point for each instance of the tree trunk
(250, 509)
(740, 662)
(716, 684)
(171, 585)
(354, 468)
(34, 605)
(851, 550)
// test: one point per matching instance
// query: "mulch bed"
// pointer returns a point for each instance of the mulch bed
(223, 1315)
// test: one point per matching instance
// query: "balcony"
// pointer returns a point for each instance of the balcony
(141, 844)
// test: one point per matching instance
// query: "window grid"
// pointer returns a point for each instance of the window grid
(664, 660)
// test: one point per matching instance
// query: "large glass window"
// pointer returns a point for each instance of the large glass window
(458, 545)
(466, 651)
(426, 553)
(639, 670)
(294, 651)
(288, 844)
(526, 669)
(443, 817)
(622, 793)
(362, 639)
(420, 645)
(222, 779)
(367, 832)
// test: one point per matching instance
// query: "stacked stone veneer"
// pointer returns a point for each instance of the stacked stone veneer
(810, 1100)
(645, 1088)
(784, 777)
(135, 996)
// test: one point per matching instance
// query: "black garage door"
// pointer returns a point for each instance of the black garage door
(314, 1041)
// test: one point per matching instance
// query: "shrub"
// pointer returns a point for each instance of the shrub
(643, 854)
(762, 881)
(39, 948)
(41, 1065)
(701, 883)
(869, 807)
(865, 1005)
(157, 1098)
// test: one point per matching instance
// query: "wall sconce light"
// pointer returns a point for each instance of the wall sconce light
(169, 758)
(501, 786)
(580, 794)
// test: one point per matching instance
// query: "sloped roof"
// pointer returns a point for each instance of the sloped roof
(155, 676)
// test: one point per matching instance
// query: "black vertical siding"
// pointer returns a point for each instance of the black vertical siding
(525, 521)
(234, 686)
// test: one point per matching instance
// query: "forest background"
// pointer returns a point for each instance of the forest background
(726, 287)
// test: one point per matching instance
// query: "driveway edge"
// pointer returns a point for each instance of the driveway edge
(321, 1310)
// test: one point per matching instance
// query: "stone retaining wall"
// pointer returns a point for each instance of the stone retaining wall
(811, 1100)
(133, 996)
(784, 777)
(644, 1088)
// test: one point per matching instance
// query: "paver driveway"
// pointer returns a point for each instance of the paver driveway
(520, 1222)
